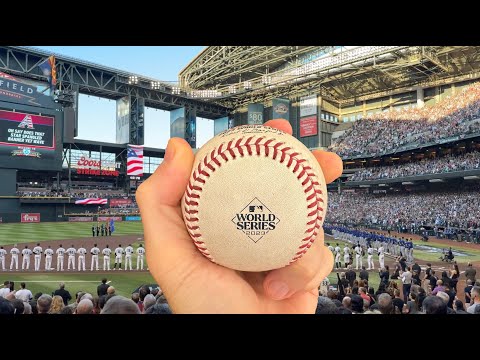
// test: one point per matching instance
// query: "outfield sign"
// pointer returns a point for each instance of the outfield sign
(120, 202)
(107, 218)
(30, 217)
(80, 219)
(133, 218)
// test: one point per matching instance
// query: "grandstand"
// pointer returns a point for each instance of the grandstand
(404, 119)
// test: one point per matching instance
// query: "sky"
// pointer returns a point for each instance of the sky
(96, 117)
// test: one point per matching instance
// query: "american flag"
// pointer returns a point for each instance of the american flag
(134, 160)
(91, 201)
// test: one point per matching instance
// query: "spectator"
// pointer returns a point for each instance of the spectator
(467, 291)
(475, 300)
(6, 307)
(135, 298)
(470, 273)
(43, 304)
(148, 301)
(57, 305)
(24, 294)
(102, 288)
(18, 306)
(64, 294)
(120, 305)
(67, 310)
(385, 304)
(5, 290)
(459, 308)
(85, 306)
(159, 309)
(434, 305)
(325, 306)
(110, 290)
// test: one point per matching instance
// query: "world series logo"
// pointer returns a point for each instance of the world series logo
(255, 220)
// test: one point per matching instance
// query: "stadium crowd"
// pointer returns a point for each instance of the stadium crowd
(450, 209)
(382, 132)
(21, 301)
(468, 161)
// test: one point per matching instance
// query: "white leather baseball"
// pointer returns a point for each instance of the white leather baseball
(256, 199)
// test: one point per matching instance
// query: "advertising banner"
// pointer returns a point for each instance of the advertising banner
(308, 105)
(30, 217)
(133, 218)
(105, 218)
(308, 126)
(281, 109)
(255, 114)
(120, 202)
(80, 219)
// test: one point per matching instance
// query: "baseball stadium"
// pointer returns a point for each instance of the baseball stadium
(402, 221)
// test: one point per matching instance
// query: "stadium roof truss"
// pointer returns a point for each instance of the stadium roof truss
(239, 75)
(102, 81)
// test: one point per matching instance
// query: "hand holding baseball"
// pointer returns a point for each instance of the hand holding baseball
(194, 284)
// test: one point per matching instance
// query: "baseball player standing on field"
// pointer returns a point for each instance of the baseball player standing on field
(81, 258)
(37, 251)
(346, 255)
(71, 257)
(60, 254)
(140, 253)
(338, 251)
(118, 257)
(48, 258)
(371, 265)
(106, 258)
(14, 252)
(26, 258)
(128, 257)
(3, 253)
(94, 251)
(381, 256)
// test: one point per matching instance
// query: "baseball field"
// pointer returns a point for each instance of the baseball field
(125, 282)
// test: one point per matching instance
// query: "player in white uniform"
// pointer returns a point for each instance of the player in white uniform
(26, 258)
(338, 264)
(94, 251)
(71, 257)
(358, 257)
(128, 257)
(48, 258)
(381, 256)
(37, 251)
(346, 255)
(140, 253)
(118, 257)
(60, 254)
(106, 258)
(330, 247)
(14, 252)
(3, 253)
(81, 258)
(371, 265)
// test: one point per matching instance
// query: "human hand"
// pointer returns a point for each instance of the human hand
(191, 282)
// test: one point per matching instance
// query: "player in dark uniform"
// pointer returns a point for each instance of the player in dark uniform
(98, 230)
(102, 230)
(93, 230)
(109, 230)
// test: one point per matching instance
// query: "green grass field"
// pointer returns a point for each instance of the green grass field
(19, 233)
(124, 282)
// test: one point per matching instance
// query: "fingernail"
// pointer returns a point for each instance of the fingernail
(278, 290)
(170, 151)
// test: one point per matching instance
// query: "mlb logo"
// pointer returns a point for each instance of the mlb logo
(251, 208)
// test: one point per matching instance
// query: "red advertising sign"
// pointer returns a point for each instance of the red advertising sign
(120, 202)
(308, 126)
(30, 217)
(105, 218)
(80, 219)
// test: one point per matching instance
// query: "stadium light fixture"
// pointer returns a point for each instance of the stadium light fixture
(247, 85)
(175, 90)
(156, 85)
(232, 89)
(133, 80)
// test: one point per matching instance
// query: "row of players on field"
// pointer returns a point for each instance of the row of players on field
(378, 243)
(72, 252)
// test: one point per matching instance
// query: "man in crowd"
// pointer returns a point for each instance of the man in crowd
(471, 273)
(64, 294)
(24, 294)
(60, 253)
(37, 251)
(474, 300)
(407, 283)
(350, 275)
(102, 288)
(6, 289)
(468, 292)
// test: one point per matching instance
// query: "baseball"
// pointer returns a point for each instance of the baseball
(256, 199)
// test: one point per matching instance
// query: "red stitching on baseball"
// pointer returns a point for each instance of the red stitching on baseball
(230, 149)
